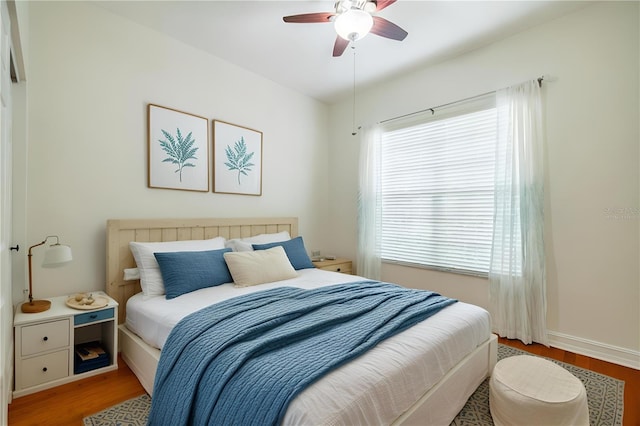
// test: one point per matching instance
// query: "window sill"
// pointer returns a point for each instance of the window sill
(478, 274)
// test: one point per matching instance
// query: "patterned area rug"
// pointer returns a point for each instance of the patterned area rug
(604, 396)
(133, 412)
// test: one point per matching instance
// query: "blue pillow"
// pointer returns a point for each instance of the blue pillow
(295, 252)
(187, 271)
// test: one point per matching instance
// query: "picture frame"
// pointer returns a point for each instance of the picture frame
(178, 150)
(237, 159)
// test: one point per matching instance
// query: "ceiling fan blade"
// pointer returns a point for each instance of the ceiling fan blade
(308, 18)
(381, 4)
(340, 45)
(387, 29)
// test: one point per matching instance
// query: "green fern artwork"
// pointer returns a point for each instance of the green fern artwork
(179, 150)
(239, 159)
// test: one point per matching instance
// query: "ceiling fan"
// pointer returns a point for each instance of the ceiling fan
(354, 19)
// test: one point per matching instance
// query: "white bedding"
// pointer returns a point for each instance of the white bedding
(375, 388)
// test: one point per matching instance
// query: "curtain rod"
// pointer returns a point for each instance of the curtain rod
(432, 109)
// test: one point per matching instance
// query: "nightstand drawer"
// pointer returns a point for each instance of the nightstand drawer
(44, 337)
(93, 316)
(45, 368)
(345, 268)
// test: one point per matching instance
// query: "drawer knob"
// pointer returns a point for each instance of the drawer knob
(45, 338)
(338, 270)
(44, 369)
(93, 316)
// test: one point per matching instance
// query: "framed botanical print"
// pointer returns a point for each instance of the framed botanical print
(237, 159)
(178, 150)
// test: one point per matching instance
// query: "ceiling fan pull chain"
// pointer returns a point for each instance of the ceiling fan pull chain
(353, 117)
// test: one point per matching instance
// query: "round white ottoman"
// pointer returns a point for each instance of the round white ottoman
(527, 390)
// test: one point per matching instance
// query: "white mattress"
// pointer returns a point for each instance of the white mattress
(373, 389)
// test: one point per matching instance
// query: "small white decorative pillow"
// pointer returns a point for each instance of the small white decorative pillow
(131, 274)
(258, 267)
(150, 276)
(245, 244)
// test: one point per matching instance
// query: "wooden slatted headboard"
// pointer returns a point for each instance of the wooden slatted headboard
(121, 231)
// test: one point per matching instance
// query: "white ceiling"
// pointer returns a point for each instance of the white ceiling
(252, 35)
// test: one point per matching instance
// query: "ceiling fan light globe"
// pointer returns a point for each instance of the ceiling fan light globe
(353, 24)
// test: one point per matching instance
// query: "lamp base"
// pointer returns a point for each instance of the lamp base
(36, 306)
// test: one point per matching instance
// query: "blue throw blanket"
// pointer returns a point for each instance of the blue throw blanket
(243, 360)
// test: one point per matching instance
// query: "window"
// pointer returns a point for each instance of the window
(437, 188)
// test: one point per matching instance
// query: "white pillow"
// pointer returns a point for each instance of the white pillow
(131, 274)
(258, 267)
(150, 276)
(245, 244)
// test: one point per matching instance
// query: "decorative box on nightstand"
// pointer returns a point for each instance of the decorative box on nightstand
(335, 265)
(46, 344)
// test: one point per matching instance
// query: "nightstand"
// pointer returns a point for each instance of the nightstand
(46, 343)
(336, 265)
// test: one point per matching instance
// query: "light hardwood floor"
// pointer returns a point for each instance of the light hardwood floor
(70, 403)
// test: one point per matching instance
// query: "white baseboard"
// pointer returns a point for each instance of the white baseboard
(593, 349)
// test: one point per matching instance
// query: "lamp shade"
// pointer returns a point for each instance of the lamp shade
(353, 24)
(56, 255)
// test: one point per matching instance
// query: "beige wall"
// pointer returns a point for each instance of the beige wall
(592, 163)
(91, 76)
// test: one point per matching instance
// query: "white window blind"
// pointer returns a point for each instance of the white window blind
(437, 186)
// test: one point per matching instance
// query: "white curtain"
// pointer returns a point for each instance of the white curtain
(517, 294)
(369, 206)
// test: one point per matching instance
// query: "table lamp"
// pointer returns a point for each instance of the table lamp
(56, 255)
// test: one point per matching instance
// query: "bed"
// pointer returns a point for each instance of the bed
(435, 366)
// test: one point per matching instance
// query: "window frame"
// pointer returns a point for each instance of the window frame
(457, 109)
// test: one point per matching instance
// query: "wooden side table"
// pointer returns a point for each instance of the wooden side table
(337, 265)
